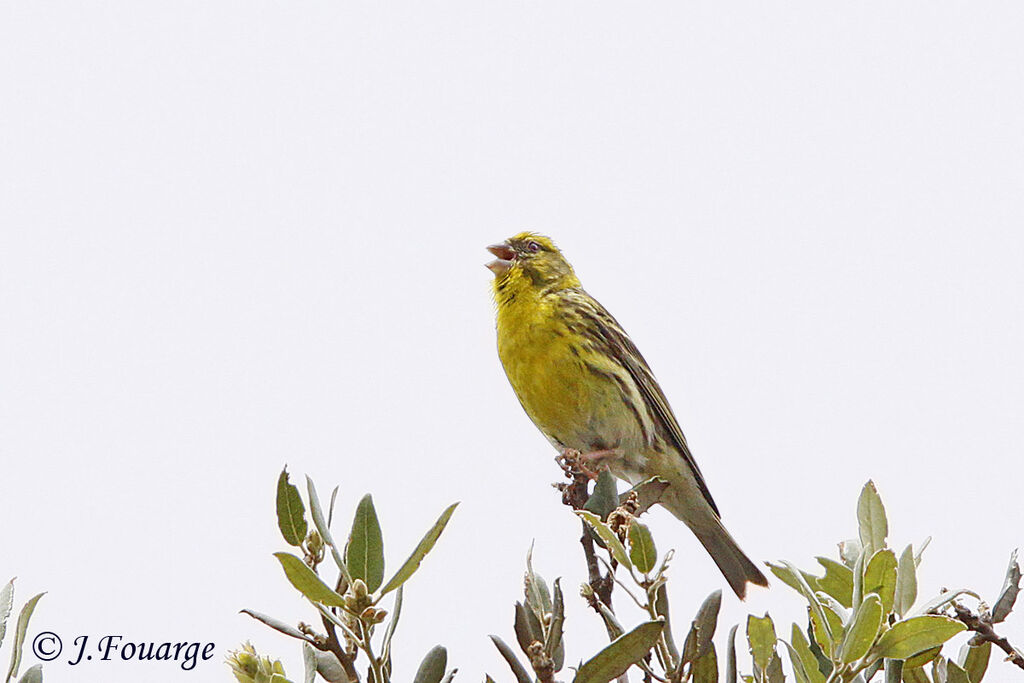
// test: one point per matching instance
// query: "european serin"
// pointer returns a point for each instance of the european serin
(585, 385)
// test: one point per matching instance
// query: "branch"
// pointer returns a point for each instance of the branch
(983, 628)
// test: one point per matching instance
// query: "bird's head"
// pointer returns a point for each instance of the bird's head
(529, 261)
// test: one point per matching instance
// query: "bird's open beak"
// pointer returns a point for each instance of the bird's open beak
(505, 254)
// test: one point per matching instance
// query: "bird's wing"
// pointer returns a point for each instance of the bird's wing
(613, 341)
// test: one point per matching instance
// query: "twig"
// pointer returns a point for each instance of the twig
(575, 495)
(333, 645)
(981, 626)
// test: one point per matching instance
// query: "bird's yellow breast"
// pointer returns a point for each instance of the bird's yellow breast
(547, 369)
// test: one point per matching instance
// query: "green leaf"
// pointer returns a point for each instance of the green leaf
(761, 637)
(19, 634)
(32, 675)
(974, 660)
(954, 674)
(513, 662)
(863, 629)
(425, 545)
(620, 654)
(808, 661)
(364, 554)
(789, 578)
(880, 577)
(607, 536)
(553, 643)
(1008, 594)
(837, 581)
(822, 629)
(921, 658)
(906, 582)
(6, 604)
(307, 582)
(648, 493)
(915, 676)
(774, 672)
(702, 629)
(324, 527)
(908, 637)
(873, 527)
(841, 614)
(705, 668)
(291, 515)
(730, 657)
(432, 667)
(604, 499)
(641, 547)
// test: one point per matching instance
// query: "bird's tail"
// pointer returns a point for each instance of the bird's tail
(692, 508)
(737, 568)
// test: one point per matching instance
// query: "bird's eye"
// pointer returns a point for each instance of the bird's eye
(532, 247)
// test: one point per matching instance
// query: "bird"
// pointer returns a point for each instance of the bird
(584, 384)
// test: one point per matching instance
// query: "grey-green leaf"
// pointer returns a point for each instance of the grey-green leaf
(730, 657)
(553, 643)
(536, 590)
(648, 492)
(306, 581)
(908, 637)
(974, 660)
(641, 547)
(702, 629)
(872, 524)
(1008, 594)
(863, 629)
(622, 653)
(291, 514)
(19, 634)
(324, 527)
(527, 627)
(906, 582)
(6, 604)
(607, 536)
(32, 675)
(275, 624)
(513, 662)
(431, 669)
(425, 545)
(308, 663)
(604, 499)
(364, 554)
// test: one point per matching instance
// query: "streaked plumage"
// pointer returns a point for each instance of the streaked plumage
(585, 385)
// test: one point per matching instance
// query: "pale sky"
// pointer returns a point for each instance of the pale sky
(235, 235)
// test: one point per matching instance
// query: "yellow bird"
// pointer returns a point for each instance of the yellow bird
(585, 385)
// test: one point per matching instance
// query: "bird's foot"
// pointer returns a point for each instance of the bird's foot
(589, 464)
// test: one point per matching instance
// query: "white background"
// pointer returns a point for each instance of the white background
(235, 235)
